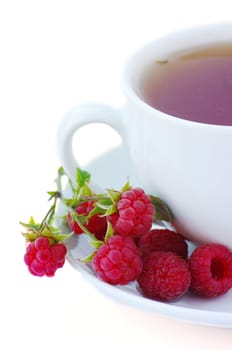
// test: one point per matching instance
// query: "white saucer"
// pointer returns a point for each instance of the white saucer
(111, 170)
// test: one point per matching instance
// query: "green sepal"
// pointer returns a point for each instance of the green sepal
(64, 219)
(104, 203)
(109, 231)
(62, 237)
(54, 194)
(80, 218)
(88, 258)
(111, 210)
(71, 202)
(114, 195)
(95, 211)
(93, 241)
(48, 230)
(31, 225)
(126, 187)
(162, 211)
(84, 191)
(30, 236)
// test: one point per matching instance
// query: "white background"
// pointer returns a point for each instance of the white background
(53, 56)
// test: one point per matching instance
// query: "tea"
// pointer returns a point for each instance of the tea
(194, 85)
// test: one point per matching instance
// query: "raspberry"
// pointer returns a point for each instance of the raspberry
(118, 261)
(44, 259)
(211, 270)
(97, 225)
(165, 276)
(134, 214)
(163, 240)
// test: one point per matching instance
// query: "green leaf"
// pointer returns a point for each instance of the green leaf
(82, 176)
(162, 211)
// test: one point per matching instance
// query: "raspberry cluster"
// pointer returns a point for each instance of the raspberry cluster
(130, 249)
(167, 276)
(119, 226)
(42, 258)
(167, 272)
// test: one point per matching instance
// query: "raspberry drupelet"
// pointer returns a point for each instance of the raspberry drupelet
(134, 214)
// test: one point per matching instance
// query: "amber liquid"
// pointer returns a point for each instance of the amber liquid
(195, 85)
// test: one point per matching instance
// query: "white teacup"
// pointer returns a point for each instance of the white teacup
(188, 164)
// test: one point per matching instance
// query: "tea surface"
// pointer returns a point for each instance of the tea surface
(195, 86)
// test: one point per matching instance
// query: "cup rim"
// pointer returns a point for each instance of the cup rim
(130, 92)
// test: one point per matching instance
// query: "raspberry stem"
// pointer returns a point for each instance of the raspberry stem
(93, 240)
(49, 215)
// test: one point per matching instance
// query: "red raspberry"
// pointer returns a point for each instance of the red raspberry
(118, 261)
(163, 240)
(44, 259)
(211, 269)
(134, 214)
(97, 225)
(165, 276)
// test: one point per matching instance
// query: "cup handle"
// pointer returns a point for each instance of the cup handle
(76, 118)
